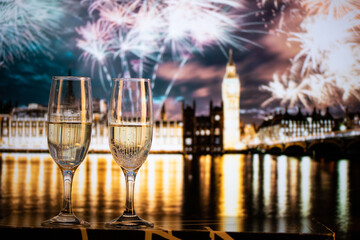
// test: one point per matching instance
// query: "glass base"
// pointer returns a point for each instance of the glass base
(129, 222)
(65, 220)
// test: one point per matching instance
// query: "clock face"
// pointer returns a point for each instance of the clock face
(231, 90)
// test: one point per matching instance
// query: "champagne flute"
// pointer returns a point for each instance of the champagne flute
(131, 127)
(69, 134)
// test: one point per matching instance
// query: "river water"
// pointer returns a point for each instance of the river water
(257, 190)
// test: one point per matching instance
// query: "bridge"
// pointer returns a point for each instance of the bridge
(333, 143)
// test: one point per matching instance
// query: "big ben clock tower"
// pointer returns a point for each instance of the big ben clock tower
(231, 100)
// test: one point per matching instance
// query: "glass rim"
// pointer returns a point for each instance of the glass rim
(132, 79)
(71, 78)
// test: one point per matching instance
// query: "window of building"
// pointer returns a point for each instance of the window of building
(217, 131)
(157, 132)
(207, 132)
(27, 131)
(217, 117)
(188, 141)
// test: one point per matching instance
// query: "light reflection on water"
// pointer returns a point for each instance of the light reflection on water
(169, 188)
(343, 194)
(305, 186)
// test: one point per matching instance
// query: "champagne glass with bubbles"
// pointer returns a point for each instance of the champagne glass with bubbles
(68, 134)
(131, 127)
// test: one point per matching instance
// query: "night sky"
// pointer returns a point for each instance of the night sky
(27, 79)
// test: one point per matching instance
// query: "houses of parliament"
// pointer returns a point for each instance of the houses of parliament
(25, 128)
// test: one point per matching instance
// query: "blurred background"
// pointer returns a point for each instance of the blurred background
(233, 81)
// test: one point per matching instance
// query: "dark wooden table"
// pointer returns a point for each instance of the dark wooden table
(187, 229)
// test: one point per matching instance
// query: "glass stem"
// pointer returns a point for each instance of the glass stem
(130, 185)
(67, 179)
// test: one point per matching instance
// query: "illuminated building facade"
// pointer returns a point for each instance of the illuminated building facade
(350, 121)
(167, 135)
(231, 106)
(24, 129)
(100, 132)
(248, 134)
(283, 126)
(202, 134)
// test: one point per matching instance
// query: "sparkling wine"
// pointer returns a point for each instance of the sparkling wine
(68, 142)
(130, 144)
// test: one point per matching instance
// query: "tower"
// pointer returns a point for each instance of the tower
(163, 113)
(230, 90)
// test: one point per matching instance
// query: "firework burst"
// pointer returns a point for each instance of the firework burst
(26, 27)
(288, 90)
(326, 68)
(95, 41)
(195, 24)
(321, 35)
(336, 8)
(143, 32)
(95, 45)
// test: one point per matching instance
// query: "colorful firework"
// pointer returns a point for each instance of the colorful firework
(95, 45)
(288, 90)
(327, 66)
(95, 41)
(336, 8)
(320, 35)
(186, 26)
(26, 27)
(145, 31)
(195, 24)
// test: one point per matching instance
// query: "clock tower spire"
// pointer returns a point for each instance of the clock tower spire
(230, 90)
